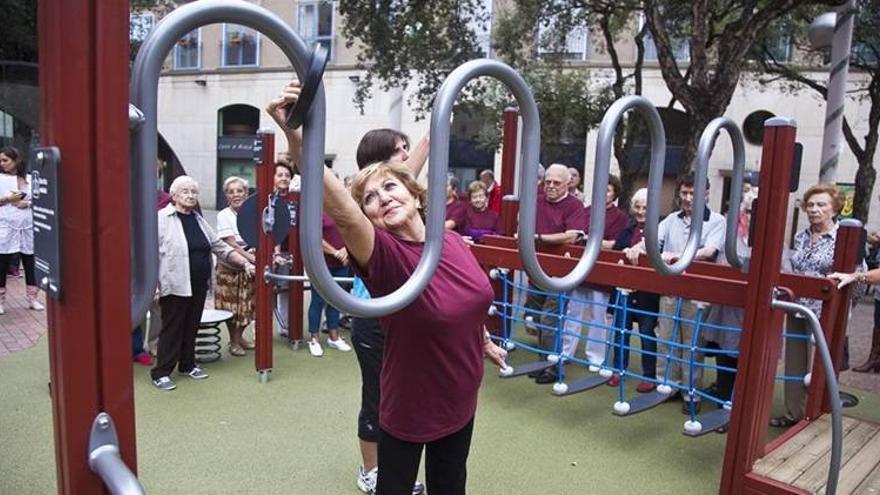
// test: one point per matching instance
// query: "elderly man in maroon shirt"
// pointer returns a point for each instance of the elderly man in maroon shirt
(590, 302)
(561, 219)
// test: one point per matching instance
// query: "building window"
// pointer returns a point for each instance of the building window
(241, 46)
(139, 25)
(575, 46)
(481, 25)
(316, 24)
(7, 125)
(681, 47)
(188, 52)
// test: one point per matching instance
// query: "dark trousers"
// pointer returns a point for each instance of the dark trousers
(647, 323)
(544, 310)
(726, 379)
(368, 343)
(180, 323)
(445, 463)
(137, 341)
(8, 259)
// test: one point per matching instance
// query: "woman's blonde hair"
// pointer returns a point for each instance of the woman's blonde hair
(232, 180)
(389, 169)
(475, 186)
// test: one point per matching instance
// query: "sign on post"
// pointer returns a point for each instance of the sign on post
(45, 192)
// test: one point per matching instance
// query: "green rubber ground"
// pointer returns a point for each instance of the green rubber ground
(296, 434)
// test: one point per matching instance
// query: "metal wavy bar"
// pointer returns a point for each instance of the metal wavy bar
(704, 151)
(652, 234)
(144, 94)
(268, 276)
(528, 201)
(830, 382)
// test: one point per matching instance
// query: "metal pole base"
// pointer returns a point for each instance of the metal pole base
(263, 375)
(295, 344)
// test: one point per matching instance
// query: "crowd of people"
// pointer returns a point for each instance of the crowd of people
(421, 367)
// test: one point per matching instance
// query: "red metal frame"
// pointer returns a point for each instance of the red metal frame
(83, 111)
(295, 299)
(263, 291)
(509, 152)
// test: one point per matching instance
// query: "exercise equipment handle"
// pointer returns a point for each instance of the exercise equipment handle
(144, 94)
(104, 459)
(652, 224)
(830, 382)
(704, 151)
(604, 143)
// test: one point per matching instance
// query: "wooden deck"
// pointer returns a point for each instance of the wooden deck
(802, 461)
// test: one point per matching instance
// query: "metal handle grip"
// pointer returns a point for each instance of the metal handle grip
(310, 232)
(144, 94)
(704, 151)
(604, 143)
(652, 224)
(269, 276)
(830, 382)
(104, 459)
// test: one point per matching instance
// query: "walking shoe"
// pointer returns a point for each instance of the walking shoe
(645, 387)
(32, 301)
(339, 344)
(546, 376)
(315, 348)
(613, 381)
(35, 305)
(144, 359)
(196, 373)
(366, 480)
(164, 383)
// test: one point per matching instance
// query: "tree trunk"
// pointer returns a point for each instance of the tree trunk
(865, 177)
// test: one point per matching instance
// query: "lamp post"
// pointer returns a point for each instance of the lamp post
(834, 29)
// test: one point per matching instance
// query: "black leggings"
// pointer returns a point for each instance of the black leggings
(8, 259)
(445, 463)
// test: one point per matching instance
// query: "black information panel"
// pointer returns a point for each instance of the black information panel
(45, 189)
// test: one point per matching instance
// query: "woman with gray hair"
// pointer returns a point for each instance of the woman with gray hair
(186, 242)
(643, 306)
(235, 290)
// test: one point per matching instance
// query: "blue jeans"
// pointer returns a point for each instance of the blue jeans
(318, 305)
(647, 323)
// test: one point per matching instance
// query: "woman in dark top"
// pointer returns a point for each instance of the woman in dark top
(646, 303)
(432, 365)
(186, 243)
(479, 220)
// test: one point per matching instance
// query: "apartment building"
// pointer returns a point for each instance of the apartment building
(218, 78)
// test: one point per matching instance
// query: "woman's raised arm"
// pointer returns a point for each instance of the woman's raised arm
(355, 227)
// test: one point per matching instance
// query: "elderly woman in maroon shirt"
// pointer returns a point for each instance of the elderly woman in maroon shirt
(479, 220)
(434, 348)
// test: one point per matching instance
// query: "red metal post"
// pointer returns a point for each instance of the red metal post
(295, 289)
(264, 290)
(509, 152)
(760, 343)
(83, 111)
(846, 257)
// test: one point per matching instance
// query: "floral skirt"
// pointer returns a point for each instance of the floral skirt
(235, 293)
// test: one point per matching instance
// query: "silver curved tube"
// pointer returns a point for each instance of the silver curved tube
(830, 382)
(104, 459)
(652, 224)
(144, 94)
(604, 142)
(310, 233)
(268, 276)
(704, 151)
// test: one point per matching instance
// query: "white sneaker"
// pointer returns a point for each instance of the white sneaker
(315, 348)
(366, 480)
(339, 344)
(35, 305)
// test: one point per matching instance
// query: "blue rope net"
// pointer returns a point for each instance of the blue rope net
(558, 325)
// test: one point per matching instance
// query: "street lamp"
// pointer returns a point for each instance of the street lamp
(834, 29)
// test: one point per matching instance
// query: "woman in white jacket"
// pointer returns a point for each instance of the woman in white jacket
(186, 243)
(16, 224)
